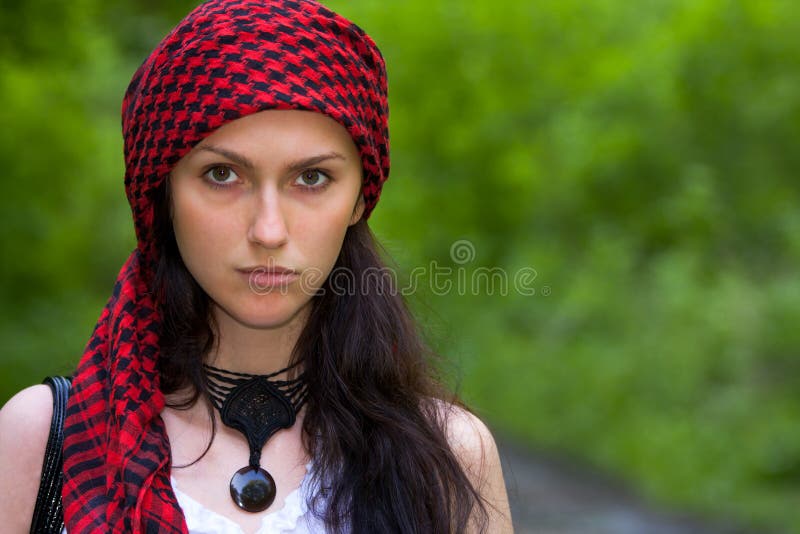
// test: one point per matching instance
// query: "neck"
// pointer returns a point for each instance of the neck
(255, 350)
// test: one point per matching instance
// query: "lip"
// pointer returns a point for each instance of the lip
(260, 278)
(272, 269)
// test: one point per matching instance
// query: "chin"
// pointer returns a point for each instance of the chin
(267, 313)
(259, 323)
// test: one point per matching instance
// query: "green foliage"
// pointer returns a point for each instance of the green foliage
(640, 156)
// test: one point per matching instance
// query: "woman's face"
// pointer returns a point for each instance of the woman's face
(272, 190)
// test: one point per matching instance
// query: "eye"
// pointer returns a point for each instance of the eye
(221, 175)
(313, 179)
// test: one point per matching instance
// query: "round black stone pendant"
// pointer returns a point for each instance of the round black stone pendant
(252, 489)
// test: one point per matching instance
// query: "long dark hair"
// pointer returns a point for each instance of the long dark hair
(376, 412)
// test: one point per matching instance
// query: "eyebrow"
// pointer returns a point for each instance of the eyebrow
(297, 165)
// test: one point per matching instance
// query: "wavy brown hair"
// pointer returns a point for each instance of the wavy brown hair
(376, 412)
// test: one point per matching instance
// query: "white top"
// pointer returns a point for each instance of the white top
(293, 518)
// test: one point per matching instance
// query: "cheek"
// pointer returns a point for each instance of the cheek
(198, 233)
(323, 235)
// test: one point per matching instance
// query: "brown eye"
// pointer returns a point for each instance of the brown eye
(221, 175)
(312, 178)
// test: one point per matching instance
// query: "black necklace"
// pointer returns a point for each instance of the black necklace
(256, 406)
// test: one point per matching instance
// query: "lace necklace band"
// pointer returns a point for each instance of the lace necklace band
(257, 406)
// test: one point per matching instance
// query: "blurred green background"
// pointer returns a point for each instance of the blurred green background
(637, 155)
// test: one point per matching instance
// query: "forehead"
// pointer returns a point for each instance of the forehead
(283, 129)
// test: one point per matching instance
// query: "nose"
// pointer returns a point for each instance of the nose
(268, 225)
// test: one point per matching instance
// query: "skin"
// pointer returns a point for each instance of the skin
(272, 188)
(291, 186)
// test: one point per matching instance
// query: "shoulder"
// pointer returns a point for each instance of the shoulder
(475, 447)
(24, 428)
(25, 420)
(468, 435)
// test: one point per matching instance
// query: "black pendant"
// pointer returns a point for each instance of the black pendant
(257, 406)
(252, 489)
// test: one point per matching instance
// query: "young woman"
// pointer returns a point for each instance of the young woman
(253, 371)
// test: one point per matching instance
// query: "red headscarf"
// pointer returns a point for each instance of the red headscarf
(225, 60)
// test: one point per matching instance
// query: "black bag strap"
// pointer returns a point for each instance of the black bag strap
(48, 516)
